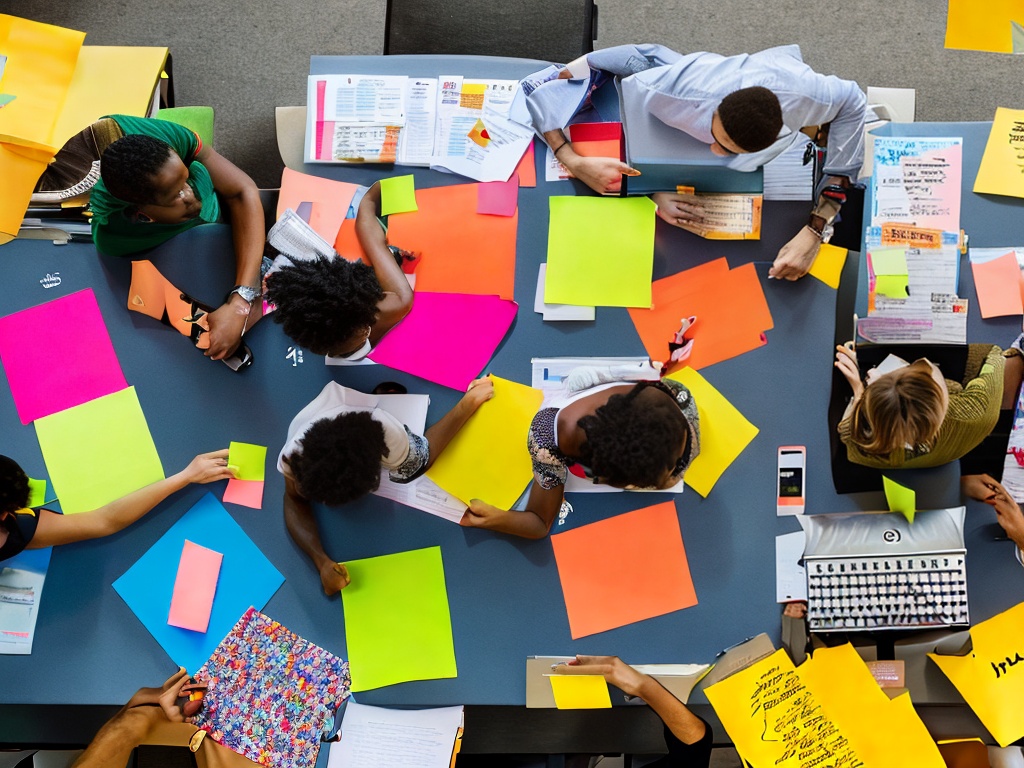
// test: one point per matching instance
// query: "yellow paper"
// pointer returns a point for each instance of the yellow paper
(829, 265)
(724, 432)
(982, 26)
(900, 498)
(991, 677)
(20, 169)
(488, 458)
(1002, 165)
(109, 80)
(580, 692)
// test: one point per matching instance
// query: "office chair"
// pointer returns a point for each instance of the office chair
(530, 29)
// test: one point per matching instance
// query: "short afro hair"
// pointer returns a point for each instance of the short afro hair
(13, 486)
(129, 166)
(752, 117)
(323, 302)
(634, 438)
(338, 459)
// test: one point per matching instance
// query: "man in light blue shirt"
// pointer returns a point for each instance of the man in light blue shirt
(748, 109)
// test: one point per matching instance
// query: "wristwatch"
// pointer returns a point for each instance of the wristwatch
(247, 292)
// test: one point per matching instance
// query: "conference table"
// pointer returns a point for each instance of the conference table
(506, 601)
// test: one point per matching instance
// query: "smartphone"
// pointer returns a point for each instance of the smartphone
(791, 480)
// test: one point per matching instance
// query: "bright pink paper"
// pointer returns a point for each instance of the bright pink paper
(447, 338)
(194, 587)
(58, 355)
(498, 198)
(247, 493)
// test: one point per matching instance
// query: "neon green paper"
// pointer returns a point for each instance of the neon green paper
(488, 458)
(397, 623)
(248, 461)
(893, 286)
(889, 261)
(98, 451)
(600, 251)
(36, 492)
(900, 498)
(397, 195)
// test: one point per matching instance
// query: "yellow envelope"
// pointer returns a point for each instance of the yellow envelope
(829, 265)
(1002, 166)
(724, 432)
(488, 458)
(991, 677)
(580, 692)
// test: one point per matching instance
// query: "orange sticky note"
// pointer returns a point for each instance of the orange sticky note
(656, 582)
(194, 587)
(998, 283)
(330, 199)
(347, 244)
(462, 251)
(527, 168)
(247, 493)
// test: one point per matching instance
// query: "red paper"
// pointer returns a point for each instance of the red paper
(461, 250)
(730, 306)
(527, 168)
(194, 587)
(247, 493)
(654, 578)
(498, 198)
(998, 283)
(330, 199)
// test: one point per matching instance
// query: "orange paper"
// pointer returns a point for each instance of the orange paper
(347, 244)
(330, 199)
(998, 283)
(462, 251)
(153, 294)
(730, 306)
(194, 587)
(654, 580)
(527, 168)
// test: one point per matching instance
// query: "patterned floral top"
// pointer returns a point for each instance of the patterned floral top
(551, 466)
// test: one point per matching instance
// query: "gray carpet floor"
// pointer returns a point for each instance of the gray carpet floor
(245, 58)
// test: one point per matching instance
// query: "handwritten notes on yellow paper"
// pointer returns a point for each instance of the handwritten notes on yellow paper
(830, 711)
(991, 677)
(1002, 165)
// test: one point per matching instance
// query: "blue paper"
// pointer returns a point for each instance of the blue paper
(247, 578)
(36, 560)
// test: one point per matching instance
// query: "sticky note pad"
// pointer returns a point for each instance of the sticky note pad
(893, 286)
(498, 198)
(58, 355)
(397, 195)
(900, 498)
(397, 623)
(247, 578)
(656, 582)
(488, 458)
(600, 251)
(580, 691)
(998, 283)
(98, 451)
(447, 338)
(248, 460)
(36, 492)
(194, 587)
(724, 432)
(247, 493)
(828, 266)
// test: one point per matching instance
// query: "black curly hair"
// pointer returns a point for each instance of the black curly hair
(634, 438)
(752, 117)
(323, 302)
(130, 165)
(338, 460)
(13, 486)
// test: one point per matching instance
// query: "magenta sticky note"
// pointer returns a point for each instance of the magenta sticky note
(194, 587)
(247, 493)
(58, 355)
(498, 198)
(447, 338)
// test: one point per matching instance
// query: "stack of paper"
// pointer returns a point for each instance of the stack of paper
(374, 737)
(21, 590)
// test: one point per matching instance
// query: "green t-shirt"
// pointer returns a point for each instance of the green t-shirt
(115, 230)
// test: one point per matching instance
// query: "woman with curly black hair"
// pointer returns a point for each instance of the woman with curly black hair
(336, 307)
(24, 528)
(630, 436)
(335, 451)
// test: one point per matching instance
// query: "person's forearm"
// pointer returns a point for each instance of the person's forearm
(685, 726)
(375, 245)
(526, 524)
(440, 434)
(248, 235)
(119, 514)
(113, 744)
(302, 527)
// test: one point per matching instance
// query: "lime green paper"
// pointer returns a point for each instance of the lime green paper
(889, 261)
(893, 286)
(247, 460)
(900, 498)
(397, 623)
(580, 692)
(488, 458)
(36, 492)
(600, 251)
(99, 451)
(397, 195)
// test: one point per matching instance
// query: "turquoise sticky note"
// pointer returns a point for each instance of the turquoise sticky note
(397, 195)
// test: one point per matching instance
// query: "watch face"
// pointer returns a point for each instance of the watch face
(826, 233)
(246, 292)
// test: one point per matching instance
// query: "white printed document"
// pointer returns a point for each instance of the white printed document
(375, 737)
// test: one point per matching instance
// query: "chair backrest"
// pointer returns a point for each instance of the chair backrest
(291, 135)
(198, 119)
(533, 29)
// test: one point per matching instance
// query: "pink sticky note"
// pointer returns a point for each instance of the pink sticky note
(330, 200)
(194, 587)
(58, 355)
(498, 198)
(998, 285)
(247, 493)
(447, 338)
